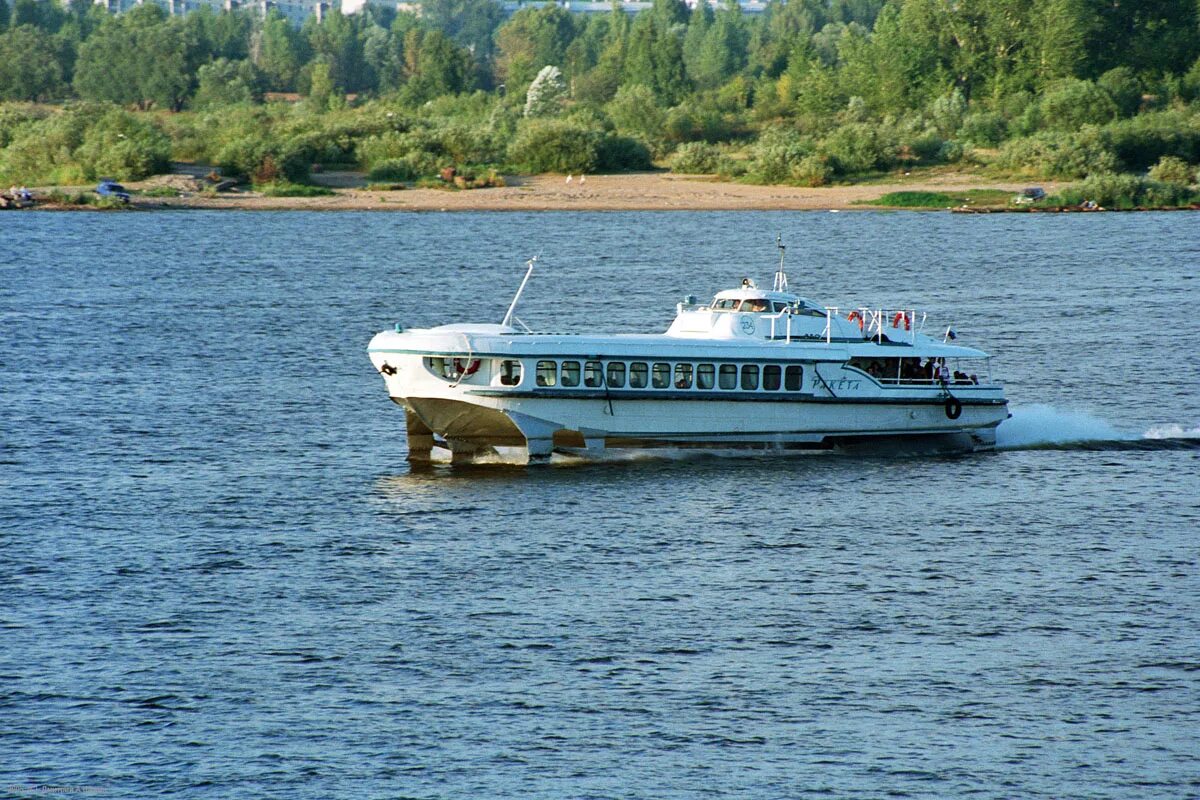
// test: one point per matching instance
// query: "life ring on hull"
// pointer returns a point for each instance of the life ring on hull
(902, 316)
(464, 369)
(953, 407)
(854, 315)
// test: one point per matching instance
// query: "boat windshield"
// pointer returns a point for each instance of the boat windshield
(755, 305)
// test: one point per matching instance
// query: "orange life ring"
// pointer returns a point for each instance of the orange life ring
(902, 316)
(854, 315)
(469, 369)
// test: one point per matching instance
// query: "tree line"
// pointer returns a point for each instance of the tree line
(806, 91)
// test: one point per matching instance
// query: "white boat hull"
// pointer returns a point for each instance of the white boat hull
(473, 418)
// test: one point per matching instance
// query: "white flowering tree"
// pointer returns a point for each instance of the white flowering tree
(546, 94)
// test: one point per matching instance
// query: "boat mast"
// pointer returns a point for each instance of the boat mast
(780, 275)
(513, 306)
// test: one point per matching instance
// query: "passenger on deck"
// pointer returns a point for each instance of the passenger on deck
(755, 305)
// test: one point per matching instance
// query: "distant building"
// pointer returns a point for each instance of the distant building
(630, 7)
(296, 11)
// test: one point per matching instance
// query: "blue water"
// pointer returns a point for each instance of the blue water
(220, 579)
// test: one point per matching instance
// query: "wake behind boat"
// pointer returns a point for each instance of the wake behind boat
(752, 368)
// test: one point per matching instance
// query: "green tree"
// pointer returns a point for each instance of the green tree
(334, 40)
(279, 52)
(533, 38)
(47, 16)
(224, 83)
(693, 41)
(639, 56)
(435, 66)
(469, 23)
(320, 87)
(136, 58)
(1150, 36)
(670, 76)
(723, 51)
(29, 68)
(5, 14)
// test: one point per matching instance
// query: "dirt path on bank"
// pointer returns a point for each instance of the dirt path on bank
(627, 192)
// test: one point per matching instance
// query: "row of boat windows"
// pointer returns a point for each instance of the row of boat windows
(659, 375)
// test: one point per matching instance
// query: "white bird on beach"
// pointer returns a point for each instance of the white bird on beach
(568, 179)
(583, 178)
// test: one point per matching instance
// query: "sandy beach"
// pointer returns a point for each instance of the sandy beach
(651, 191)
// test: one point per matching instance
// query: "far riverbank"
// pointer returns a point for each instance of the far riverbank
(648, 191)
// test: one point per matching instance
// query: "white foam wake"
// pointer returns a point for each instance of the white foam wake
(1035, 425)
(1173, 432)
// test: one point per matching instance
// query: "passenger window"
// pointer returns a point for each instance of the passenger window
(793, 379)
(639, 375)
(547, 373)
(771, 376)
(662, 375)
(436, 365)
(705, 376)
(777, 306)
(570, 373)
(749, 377)
(616, 374)
(593, 376)
(510, 373)
(683, 376)
(728, 376)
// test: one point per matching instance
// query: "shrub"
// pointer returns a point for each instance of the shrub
(695, 158)
(812, 171)
(1165, 194)
(776, 152)
(635, 110)
(950, 152)
(730, 167)
(684, 124)
(394, 169)
(622, 153)
(925, 146)
(860, 147)
(948, 112)
(82, 143)
(1058, 155)
(1070, 104)
(264, 159)
(983, 129)
(123, 146)
(1123, 87)
(1107, 189)
(550, 145)
(13, 116)
(1141, 141)
(1128, 191)
(1172, 169)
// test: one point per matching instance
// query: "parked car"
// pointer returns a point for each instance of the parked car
(108, 188)
(1029, 195)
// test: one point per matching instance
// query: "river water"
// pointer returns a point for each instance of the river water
(219, 577)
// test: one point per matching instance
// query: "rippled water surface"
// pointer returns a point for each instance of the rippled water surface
(219, 578)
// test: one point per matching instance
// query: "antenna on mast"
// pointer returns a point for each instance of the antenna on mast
(780, 275)
(513, 306)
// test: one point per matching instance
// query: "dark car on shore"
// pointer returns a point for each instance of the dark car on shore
(112, 189)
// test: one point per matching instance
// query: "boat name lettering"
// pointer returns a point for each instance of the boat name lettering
(836, 383)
